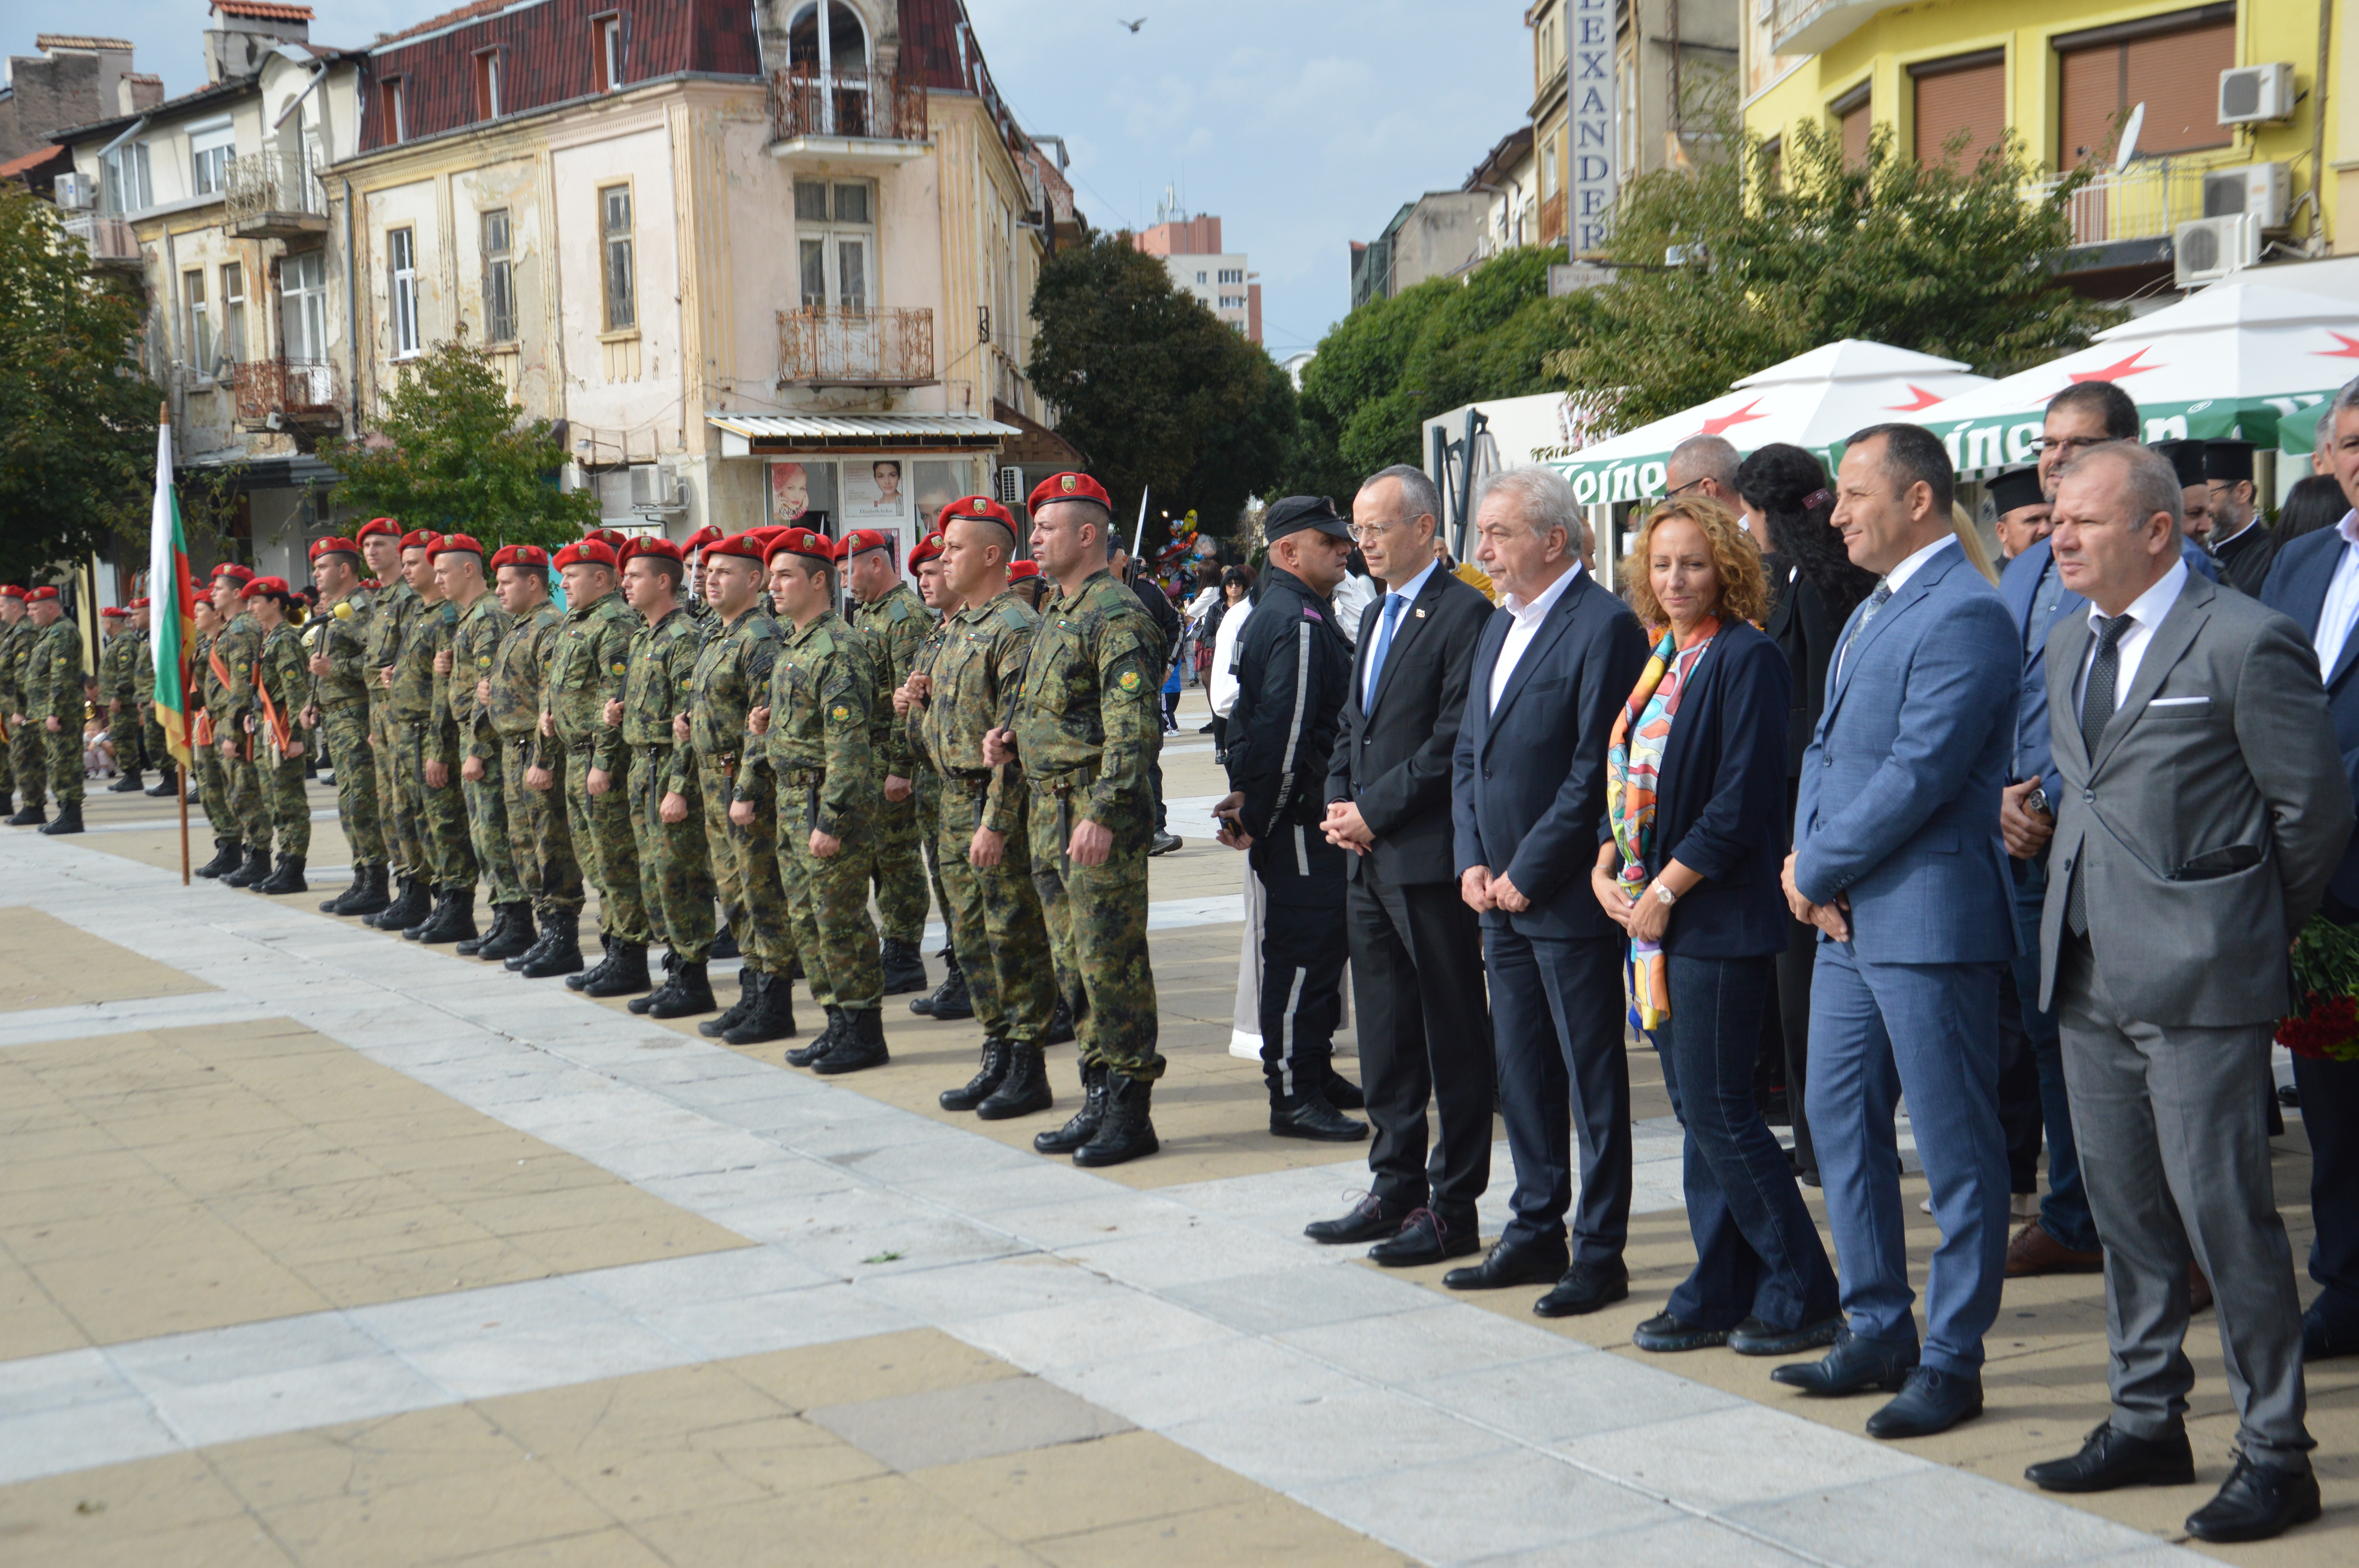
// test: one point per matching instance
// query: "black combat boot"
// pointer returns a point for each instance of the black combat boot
(724, 946)
(608, 947)
(988, 1077)
(127, 784)
(454, 917)
(1061, 1025)
(773, 1017)
(286, 877)
(692, 993)
(228, 856)
(347, 893)
(749, 998)
(516, 939)
(374, 896)
(562, 953)
(254, 868)
(473, 946)
(641, 1004)
(860, 1045)
(167, 786)
(437, 900)
(1084, 1124)
(539, 945)
(32, 814)
(947, 1000)
(904, 968)
(1024, 1089)
(627, 973)
(1124, 1133)
(7, 802)
(405, 910)
(804, 1056)
(69, 818)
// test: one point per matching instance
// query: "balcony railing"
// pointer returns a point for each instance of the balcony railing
(274, 196)
(300, 392)
(2147, 200)
(109, 240)
(856, 105)
(878, 347)
(1809, 27)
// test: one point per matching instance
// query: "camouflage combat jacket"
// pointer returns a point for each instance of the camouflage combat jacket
(15, 644)
(975, 666)
(1092, 698)
(900, 623)
(658, 687)
(474, 643)
(382, 646)
(425, 632)
(143, 670)
(587, 671)
(283, 675)
(343, 632)
(238, 648)
(53, 675)
(519, 671)
(118, 662)
(823, 691)
(732, 676)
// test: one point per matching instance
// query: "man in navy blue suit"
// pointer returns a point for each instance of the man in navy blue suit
(1552, 671)
(2316, 582)
(1899, 862)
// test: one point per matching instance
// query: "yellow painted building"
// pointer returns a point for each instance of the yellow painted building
(2065, 75)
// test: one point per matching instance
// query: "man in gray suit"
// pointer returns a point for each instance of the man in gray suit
(2203, 809)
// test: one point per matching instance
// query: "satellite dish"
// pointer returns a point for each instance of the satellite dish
(2129, 138)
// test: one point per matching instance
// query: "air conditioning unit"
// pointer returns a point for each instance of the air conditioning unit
(655, 490)
(75, 192)
(2209, 249)
(2259, 191)
(2252, 94)
(1011, 487)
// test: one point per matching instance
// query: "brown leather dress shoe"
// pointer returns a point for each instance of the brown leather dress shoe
(2034, 1251)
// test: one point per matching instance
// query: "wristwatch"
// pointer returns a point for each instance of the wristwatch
(2037, 801)
(1665, 896)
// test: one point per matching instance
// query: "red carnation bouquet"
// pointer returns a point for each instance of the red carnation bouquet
(2326, 978)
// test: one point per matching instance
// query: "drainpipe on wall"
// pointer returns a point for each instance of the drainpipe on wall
(351, 314)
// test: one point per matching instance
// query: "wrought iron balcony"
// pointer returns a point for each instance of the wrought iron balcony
(847, 114)
(274, 196)
(109, 240)
(1811, 26)
(277, 394)
(878, 347)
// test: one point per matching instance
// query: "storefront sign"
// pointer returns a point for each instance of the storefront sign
(1590, 99)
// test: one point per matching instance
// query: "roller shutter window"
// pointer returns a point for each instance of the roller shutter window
(1853, 122)
(1964, 92)
(2171, 64)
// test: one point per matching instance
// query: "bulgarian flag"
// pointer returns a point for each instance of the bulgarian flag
(172, 599)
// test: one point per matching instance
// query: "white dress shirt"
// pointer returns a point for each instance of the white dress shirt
(1409, 592)
(1224, 651)
(1527, 626)
(2342, 600)
(2146, 612)
(1894, 582)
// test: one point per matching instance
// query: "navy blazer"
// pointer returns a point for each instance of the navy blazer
(2018, 585)
(2297, 588)
(1527, 783)
(1720, 800)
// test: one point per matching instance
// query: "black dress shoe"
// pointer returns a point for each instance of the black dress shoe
(2323, 1341)
(1311, 1117)
(1512, 1263)
(2111, 1457)
(1853, 1367)
(1426, 1238)
(1755, 1337)
(1929, 1402)
(1372, 1219)
(1664, 1333)
(1585, 1288)
(1343, 1093)
(2256, 1502)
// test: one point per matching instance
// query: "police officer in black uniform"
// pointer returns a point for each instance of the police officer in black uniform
(1293, 669)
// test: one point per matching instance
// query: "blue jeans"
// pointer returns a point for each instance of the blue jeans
(1757, 1253)
(2064, 1212)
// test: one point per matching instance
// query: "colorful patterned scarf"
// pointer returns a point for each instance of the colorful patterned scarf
(1632, 763)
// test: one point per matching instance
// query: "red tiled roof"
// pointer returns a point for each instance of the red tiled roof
(263, 10)
(79, 41)
(475, 8)
(18, 167)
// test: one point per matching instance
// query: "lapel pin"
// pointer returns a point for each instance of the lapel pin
(1420, 615)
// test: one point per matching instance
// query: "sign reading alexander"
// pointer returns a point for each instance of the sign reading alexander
(1590, 96)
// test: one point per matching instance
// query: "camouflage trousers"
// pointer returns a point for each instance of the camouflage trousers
(247, 802)
(488, 834)
(600, 825)
(930, 818)
(289, 809)
(65, 761)
(396, 804)
(213, 791)
(745, 866)
(129, 736)
(996, 926)
(28, 760)
(900, 873)
(539, 838)
(675, 866)
(828, 903)
(155, 748)
(346, 728)
(440, 813)
(1097, 927)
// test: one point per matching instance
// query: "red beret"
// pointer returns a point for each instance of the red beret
(747, 546)
(385, 525)
(451, 544)
(1067, 487)
(927, 549)
(802, 542)
(263, 585)
(233, 571)
(653, 544)
(420, 539)
(138, 604)
(613, 538)
(977, 507)
(587, 553)
(520, 555)
(40, 596)
(861, 539)
(112, 613)
(10, 590)
(333, 547)
(708, 535)
(1020, 569)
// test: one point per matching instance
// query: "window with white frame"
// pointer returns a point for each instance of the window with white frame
(303, 306)
(401, 292)
(232, 311)
(128, 188)
(499, 279)
(621, 263)
(210, 149)
(487, 84)
(397, 117)
(606, 52)
(1232, 275)
(1233, 302)
(196, 326)
(835, 233)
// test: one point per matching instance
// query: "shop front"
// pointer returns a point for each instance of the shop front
(893, 472)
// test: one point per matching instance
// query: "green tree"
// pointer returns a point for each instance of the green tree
(458, 457)
(1154, 389)
(77, 416)
(1949, 257)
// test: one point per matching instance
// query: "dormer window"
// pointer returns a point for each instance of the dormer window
(606, 52)
(396, 124)
(487, 84)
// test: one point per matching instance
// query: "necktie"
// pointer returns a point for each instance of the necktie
(2096, 708)
(1875, 602)
(1393, 603)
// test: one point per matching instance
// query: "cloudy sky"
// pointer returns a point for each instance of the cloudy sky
(1303, 124)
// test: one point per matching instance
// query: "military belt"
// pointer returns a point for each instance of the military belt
(1066, 783)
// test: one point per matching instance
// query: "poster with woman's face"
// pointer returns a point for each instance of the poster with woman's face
(873, 492)
(802, 493)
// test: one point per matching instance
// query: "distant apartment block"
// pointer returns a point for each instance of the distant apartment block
(1190, 249)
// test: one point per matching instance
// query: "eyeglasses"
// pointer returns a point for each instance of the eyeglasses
(2071, 444)
(1369, 533)
(1689, 485)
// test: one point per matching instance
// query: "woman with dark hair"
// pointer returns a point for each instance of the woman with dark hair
(1813, 587)
(2313, 503)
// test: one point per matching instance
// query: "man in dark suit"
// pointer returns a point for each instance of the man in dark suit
(2205, 807)
(1417, 948)
(1899, 862)
(1553, 667)
(2240, 541)
(2315, 580)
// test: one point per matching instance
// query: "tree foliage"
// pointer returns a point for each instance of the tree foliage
(1154, 389)
(453, 454)
(1949, 257)
(77, 416)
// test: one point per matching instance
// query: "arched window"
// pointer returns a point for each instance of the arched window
(847, 40)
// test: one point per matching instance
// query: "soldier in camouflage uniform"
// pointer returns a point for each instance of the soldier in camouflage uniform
(238, 649)
(890, 611)
(477, 626)
(538, 839)
(206, 696)
(282, 680)
(28, 759)
(381, 541)
(12, 615)
(422, 753)
(54, 704)
(153, 745)
(949, 1000)
(118, 681)
(667, 799)
(819, 730)
(994, 906)
(732, 676)
(1087, 720)
(585, 677)
(336, 655)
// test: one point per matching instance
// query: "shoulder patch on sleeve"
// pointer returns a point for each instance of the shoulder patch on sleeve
(900, 611)
(823, 643)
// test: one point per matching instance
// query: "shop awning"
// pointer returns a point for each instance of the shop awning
(758, 435)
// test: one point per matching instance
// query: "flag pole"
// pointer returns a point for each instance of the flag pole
(181, 793)
(1138, 534)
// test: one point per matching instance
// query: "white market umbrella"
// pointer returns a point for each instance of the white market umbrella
(2230, 361)
(1813, 400)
